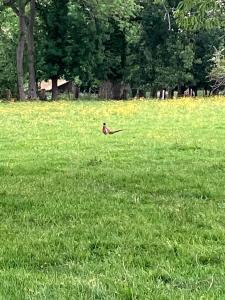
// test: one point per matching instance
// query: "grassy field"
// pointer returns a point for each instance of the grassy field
(137, 215)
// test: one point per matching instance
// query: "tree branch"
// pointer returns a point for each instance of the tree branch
(12, 4)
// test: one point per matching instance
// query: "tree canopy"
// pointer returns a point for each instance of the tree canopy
(121, 48)
(201, 14)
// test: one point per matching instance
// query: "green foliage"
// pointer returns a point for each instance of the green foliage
(205, 43)
(92, 35)
(217, 74)
(195, 14)
(147, 43)
(85, 34)
(113, 62)
(8, 40)
(163, 56)
(53, 38)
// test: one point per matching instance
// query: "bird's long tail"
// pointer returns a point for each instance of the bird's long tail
(112, 132)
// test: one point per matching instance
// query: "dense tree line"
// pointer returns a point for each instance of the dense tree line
(121, 48)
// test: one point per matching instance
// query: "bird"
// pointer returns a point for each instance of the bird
(106, 130)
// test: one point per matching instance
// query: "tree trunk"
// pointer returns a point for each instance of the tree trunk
(171, 93)
(54, 88)
(20, 54)
(116, 90)
(32, 94)
(8, 94)
(160, 94)
(127, 92)
(134, 93)
(77, 92)
(195, 90)
(26, 26)
(181, 90)
(141, 93)
(43, 95)
(154, 92)
(105, 91)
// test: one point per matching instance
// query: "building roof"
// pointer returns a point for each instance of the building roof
(47, 85)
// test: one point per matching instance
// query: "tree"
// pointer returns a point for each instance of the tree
(112, 70)
(25, 10)
(117, 44)
(113, 24)
(217, 74)
(198, 14)
(53, 41)
(8, 37)
(205, 42)
(86, 32)
(207, 20)
(164, 55)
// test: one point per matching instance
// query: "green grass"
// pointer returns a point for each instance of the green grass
(137, 215)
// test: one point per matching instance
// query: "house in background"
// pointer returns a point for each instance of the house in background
(68, 87)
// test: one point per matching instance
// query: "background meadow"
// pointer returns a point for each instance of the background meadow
(137, 215)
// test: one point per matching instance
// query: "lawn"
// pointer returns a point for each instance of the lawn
(137, 215)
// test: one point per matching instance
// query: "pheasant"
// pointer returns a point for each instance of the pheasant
(106, 130)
